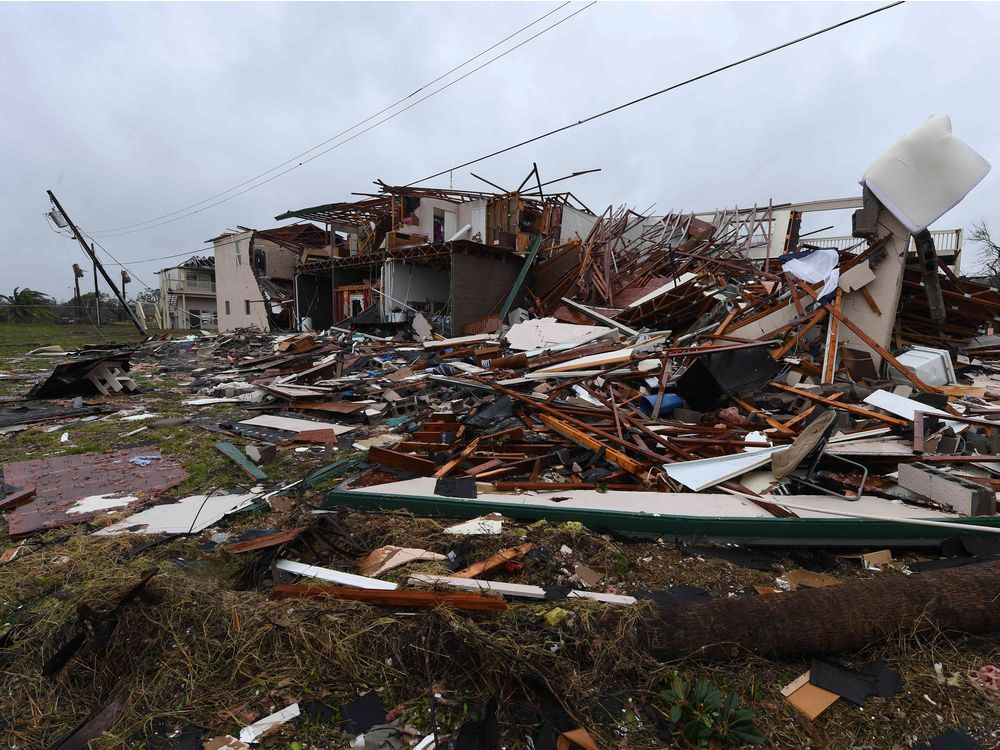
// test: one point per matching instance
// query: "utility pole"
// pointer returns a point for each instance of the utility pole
(97, 292)
(77, 275)
(125, 279)
(97, 267)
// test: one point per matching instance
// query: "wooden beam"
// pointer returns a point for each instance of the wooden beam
(903, 369)
(830, 355)
(837, 405)
(581, 438)
(494, 561)
(422, 466)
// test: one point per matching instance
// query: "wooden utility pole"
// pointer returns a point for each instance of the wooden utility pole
(97, 292)
(97, 267)
(77, 275)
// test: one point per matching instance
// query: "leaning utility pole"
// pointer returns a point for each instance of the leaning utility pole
(97, 292)
(97, 265)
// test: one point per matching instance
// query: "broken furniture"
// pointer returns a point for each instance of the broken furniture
(105, 375)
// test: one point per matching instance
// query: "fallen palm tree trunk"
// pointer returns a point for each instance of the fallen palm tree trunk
(832, 619)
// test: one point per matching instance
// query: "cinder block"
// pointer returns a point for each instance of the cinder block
(963, 496)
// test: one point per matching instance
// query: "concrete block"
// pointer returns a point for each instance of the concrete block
(963, 496)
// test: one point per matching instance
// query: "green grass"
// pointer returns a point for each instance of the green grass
(18, 338)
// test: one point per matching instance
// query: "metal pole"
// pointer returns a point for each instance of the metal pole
(97, 292)
(97, 264)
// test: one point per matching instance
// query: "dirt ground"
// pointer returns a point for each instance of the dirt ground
(213, 650)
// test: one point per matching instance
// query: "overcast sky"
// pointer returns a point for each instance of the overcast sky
(132, 111)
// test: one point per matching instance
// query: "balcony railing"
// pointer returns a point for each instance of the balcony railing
(947, 242)
(192, 287)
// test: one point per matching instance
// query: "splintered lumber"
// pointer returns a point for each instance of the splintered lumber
(582, 438)
(495, 561)
(881, 350)
(404, 461)
(834, 619)
(838, 405)
(397, 598)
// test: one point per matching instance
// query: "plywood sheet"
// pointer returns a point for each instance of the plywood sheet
(62, 482)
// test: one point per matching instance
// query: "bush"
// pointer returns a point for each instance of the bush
(702, 716)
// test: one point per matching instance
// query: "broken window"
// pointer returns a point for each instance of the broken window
(438, 225)
(260, 262)
(227, 308)
(246, 306)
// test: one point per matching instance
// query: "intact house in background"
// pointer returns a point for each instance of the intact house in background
(255, 270)
(451, 255)
(187, 295)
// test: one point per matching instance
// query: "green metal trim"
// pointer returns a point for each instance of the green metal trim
(833, 532)
(529, 261)
(238, 457)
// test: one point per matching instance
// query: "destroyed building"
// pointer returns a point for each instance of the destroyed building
(448, 255)
(255, 271)
(704, 442)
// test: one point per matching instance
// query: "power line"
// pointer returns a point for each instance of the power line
(108, 253)
(659, 93)
(105, 232)
(190, 253)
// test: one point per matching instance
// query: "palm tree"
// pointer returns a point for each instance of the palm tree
(27, 304)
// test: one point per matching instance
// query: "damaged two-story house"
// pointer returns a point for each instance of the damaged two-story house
(255, 272)
(450, 255)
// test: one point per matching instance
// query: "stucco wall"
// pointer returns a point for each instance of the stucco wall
(280, 261)
(235, 283)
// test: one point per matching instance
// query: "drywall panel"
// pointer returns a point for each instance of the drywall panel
(413, 286)
(575, 223)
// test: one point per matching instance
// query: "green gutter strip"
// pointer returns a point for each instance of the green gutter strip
(832, 532)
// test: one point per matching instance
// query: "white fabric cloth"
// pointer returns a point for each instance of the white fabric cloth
(820, 265)
(925, 174)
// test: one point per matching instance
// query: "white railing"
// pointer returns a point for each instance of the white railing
(194, 287)
(946, 242)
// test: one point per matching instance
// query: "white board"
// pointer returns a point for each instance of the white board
(295, 425)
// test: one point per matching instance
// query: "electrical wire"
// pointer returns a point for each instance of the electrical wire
(104, 232)
(660, 92)
(117, 262)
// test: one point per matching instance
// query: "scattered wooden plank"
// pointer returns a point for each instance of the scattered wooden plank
(494, 561)
(405, 461)
(17, 498)
(333, 576)
(265, 542)
(581, 438)
(836, 404)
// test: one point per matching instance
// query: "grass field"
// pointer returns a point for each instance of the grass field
(17, 338)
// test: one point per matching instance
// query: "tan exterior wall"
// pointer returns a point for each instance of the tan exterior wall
(280, 261)
(236, 285)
